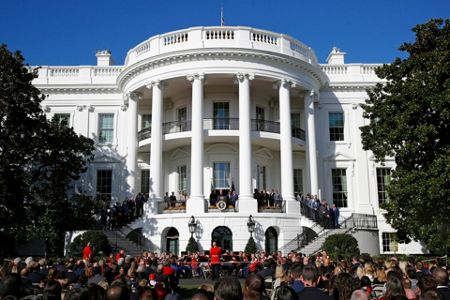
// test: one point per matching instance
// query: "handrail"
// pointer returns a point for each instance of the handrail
(221, 124)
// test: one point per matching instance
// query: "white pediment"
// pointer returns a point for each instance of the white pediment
(264, 153)
(339, 156)
(178, 154)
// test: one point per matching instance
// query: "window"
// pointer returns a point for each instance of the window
(383, 179)
(339, 178)
(259, 118)
(182, 178)
(260, 177)
(146, 121)
(145, 181)
(336, 124)
(390, 243)
(105, 128)
(104, 184)
(182, 118)
(295, 120)
(298, 181)
(221, 115)
(222, 175)
(62, 119)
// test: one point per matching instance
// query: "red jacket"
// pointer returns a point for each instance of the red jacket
(215, 252)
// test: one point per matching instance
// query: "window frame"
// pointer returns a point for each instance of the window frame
(100, 129)
(336, 133)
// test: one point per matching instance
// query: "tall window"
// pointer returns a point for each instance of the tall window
(260, 177)
(104, 184)
(295, 120)
(182, 178)
(182, 118)
(259, 118)
(105, 128)
(222, 175)
(62, 119)
(146, 121)
(336, 125)
(383, 180)
(339, 178)
(298, 181)
(145, 181)
(221, 115)
(390, 243)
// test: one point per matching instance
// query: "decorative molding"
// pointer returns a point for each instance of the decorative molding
(79, 90)
(90, 108)
(241, 76)
(80, 107)
(46, 109)
(153, 62)
(192, 77)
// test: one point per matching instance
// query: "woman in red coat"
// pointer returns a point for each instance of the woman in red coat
(87, 252)
(214, 253)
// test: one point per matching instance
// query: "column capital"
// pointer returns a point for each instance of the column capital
(134, 96)
(155, 83)
(241, 76)
(284, 82)
(195, 76)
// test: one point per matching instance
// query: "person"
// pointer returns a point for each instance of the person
(173, 200)
(336, 214)
(441, 278)
(228, 288)
(284, 292)
(309, 279)
(167, 200)
(215, 252)
(87, 252)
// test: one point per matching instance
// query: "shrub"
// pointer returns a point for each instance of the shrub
(251, 246)
(99, 242)
(192, 245)
(341, 245)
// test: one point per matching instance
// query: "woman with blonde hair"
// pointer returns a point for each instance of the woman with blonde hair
(280, 278)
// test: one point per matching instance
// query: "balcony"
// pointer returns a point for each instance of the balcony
(221, 124)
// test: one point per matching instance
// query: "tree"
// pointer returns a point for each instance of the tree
(341, 245)
(38, 158)
(192, 245)
(409, 120)
(99, 243)
(251, 246)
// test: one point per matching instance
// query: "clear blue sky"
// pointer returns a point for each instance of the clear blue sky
(68, 32)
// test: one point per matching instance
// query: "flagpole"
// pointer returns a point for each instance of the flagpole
(222, 23)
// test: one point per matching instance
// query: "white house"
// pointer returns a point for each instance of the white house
(226, 108)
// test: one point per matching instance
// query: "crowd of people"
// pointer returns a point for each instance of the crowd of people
(265, 276)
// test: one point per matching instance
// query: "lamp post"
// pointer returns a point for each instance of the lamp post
(192, 225)
(251, 225)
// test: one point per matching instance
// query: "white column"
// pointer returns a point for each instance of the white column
(132, 143)
(287, 166)
(246, 202)
(156, 174)
(196, 203)
(311, 154)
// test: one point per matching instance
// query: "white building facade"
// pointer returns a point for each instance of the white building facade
(225, 108)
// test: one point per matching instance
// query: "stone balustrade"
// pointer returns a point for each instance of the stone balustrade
(78, 75)
(351, 72)
(220, 37)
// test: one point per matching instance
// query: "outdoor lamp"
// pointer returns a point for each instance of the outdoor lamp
(251, 224)
(192, 225)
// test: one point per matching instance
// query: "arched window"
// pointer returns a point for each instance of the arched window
(172, 236)
(271, 236)
(223, 237)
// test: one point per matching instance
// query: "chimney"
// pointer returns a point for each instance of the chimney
(336, 57)
(104, 58)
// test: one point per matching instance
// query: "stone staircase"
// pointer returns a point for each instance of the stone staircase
(317, 243)
(118, 241)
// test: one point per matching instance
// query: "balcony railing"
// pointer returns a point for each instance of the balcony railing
(145, 133)
(177, 126)
(221, 124)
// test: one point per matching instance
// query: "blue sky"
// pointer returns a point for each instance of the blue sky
(68, 32)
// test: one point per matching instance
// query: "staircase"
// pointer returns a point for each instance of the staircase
(118, 241)
(307, 244)
(317, 243)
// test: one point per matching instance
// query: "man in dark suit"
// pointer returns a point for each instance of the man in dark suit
(441, 277)
(309, 279)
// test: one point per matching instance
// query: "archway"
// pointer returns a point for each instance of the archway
(172, 237)
(271, 238)
(224, 237)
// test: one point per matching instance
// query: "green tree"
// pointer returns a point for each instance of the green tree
(99, 243)
(409, 120)
(192, 245)
(38, 159)
(341, 245)
(251, 246)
